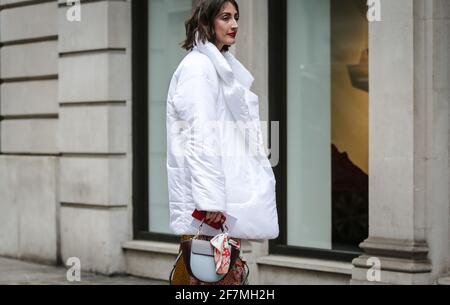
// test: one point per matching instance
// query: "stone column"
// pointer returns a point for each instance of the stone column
(28, 130)
(408, 134)
(94, 133)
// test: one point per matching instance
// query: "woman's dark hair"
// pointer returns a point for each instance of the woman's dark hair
(202, 20)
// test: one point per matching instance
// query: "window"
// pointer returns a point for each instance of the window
(318, 52)
(158, 29)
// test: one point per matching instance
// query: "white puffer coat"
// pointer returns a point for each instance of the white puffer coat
(211, 165)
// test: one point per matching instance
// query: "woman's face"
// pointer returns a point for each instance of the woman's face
(225, 25)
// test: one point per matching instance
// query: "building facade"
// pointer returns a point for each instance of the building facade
(356, 93)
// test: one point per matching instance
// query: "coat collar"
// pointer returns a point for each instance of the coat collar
(227, 66)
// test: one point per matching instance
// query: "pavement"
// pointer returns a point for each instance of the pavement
(16, 272)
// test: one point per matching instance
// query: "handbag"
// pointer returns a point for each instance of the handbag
(198, 256)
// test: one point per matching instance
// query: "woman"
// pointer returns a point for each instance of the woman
(215, 154)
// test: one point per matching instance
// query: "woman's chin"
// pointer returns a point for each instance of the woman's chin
(230, 41)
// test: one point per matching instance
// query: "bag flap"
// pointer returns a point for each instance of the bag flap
(202, 247)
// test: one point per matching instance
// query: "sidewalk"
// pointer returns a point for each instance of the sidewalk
(16, 272)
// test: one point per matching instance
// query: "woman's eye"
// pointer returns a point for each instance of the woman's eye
(227, 18)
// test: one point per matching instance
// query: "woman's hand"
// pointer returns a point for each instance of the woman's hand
(214, 217)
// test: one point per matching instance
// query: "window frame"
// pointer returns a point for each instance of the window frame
(277, 27)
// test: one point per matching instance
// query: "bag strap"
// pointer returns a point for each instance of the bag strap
(174, 267)
(245, 281)
(201, 226)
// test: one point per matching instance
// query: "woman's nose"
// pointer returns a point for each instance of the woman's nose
(234, 26)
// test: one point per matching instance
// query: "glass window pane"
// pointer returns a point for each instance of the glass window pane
(327, 123)
(166, 31)
(308, 123)
(349, 123)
